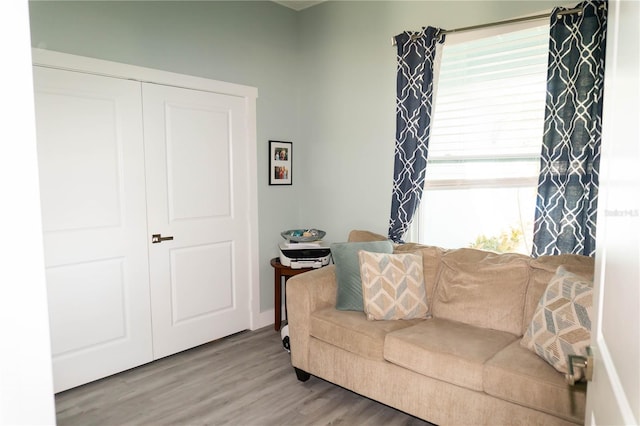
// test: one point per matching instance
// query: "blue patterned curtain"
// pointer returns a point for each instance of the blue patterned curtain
(568, 184)
(416, 57)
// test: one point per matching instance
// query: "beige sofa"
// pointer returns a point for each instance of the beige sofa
(464, 364)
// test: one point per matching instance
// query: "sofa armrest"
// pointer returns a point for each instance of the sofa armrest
(307, 293)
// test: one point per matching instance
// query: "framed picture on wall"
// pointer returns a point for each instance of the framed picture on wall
(280, 160)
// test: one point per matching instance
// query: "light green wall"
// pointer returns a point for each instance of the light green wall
(325, 79)
(347, 100)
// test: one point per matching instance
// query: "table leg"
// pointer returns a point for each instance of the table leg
(277, 300)
(286, 315)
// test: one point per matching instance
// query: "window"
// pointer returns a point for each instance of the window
(486, 139)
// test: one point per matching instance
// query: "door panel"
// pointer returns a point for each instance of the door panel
(99, 291)
(198, 162)
(196, 150)
(91, 159)
(194, 268)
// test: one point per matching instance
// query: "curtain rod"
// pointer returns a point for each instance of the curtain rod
(577, 10)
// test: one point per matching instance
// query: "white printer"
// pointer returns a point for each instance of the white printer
(298, 255)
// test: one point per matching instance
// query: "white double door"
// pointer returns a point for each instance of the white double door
(120, 161)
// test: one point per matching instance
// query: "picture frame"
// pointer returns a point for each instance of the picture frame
(280, 160)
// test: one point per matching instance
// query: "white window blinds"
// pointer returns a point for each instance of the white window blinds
(489, 110)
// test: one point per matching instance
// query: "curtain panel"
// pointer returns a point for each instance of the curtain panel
(414, 103)
(568, 184)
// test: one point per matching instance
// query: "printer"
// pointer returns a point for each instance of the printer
(299, 255)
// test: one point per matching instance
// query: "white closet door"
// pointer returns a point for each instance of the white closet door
(91, 160)
(198, 189)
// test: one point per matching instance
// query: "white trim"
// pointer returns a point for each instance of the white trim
(624, 407)
(254, 273)
(65, 61)
(263, 319)
(434, 158)
(481, 183)
(26, 378)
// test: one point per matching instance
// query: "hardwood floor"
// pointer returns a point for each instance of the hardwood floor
(245, 379)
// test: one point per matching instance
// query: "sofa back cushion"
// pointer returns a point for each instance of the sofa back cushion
(431, 256)
(543, 269)
(359, 236)
(482, 288)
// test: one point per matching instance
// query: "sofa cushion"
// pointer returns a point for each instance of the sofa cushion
(359, 236)
(393, 286)
(352, 331)
(561, 325)
(446, 350)
(431, 256)
(345, 257)
(482, 288)
(517, 375)
(543, 269)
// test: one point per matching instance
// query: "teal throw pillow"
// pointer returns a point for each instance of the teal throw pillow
(345, 257)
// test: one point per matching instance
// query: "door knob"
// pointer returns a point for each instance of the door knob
(579, 367)
(158, 238)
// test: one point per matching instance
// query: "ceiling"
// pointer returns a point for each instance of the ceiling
(298, 4)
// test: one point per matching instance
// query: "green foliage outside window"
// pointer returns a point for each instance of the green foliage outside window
(509, 241)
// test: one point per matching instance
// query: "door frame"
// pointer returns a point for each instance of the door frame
(612, 393)
(69, 62)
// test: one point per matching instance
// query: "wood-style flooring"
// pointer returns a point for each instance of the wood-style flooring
(244, 379)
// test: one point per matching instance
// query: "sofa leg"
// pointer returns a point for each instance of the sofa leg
(302, 375)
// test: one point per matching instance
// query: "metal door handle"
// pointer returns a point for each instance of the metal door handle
(579, 367)
(158, 238)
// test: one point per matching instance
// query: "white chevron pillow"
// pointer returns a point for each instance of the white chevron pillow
(393, 286)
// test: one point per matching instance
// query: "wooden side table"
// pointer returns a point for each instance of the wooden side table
(285, 272)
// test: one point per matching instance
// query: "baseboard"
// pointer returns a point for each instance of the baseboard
(263, 319)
